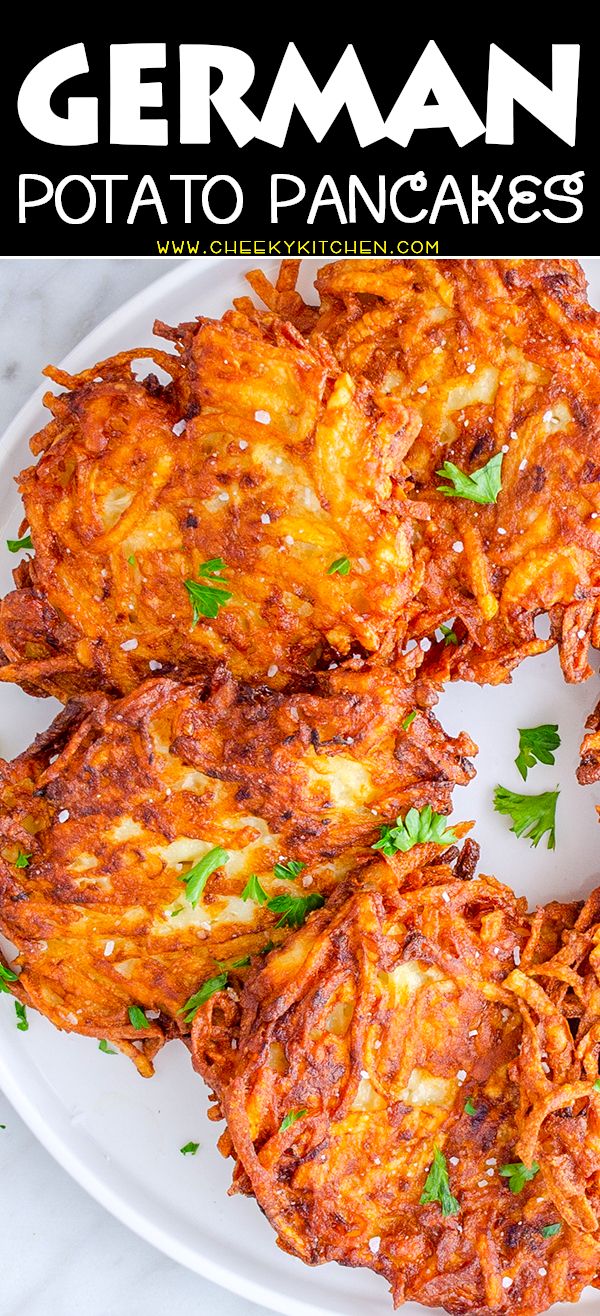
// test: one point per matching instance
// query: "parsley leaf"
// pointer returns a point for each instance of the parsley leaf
(409, 719)
(470, 1109)
(290, 870)
(204, 994)
(449, 636)
(190, 1149)
(254, 891)
(235, 964)
(481, 486)
(137, 1017)
(132, 560)
(550, 1231)
(15, 545)
(207, 600)
(22, 859)
(6, 975)
(536, 743)
(21, 1014)
(197, 877)
(518, 1175)
(290, 1119)
(103, 1046)
(268, 946)
(597, 1085)
(294, 909)
(415, 829)
(532, 815)
(340, 567)
(437, 1186)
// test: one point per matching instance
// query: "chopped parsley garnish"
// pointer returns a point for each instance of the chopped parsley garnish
(597, 1085)
(533, 815)
(449, 636)
(518, 1175)
(22, 860)
(290, 870)
(550, 1231)
(254, 891)
(340, 567)
(137, 1017)
(197, 877)
(21, 1014)
(132, 560)
(178, 910)
(108, 1050)
(470, 1109)
(437, 1186)
(204, 994)
(290, 1119)
(536, 744)
(481, 486)
(409, 719)
(190, 1149)
(236, 964)
(415, 829)
(6, 975)
(207, 600)
(15, 545)
(268, 946)
(294, 909)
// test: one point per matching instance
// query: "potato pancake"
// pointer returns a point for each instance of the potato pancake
(241, 514)
(500, 360)
(149, 842)
(402, 1093)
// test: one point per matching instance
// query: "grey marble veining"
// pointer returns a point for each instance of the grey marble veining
(61, 1254)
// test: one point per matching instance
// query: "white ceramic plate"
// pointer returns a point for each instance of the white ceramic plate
(119, 1135)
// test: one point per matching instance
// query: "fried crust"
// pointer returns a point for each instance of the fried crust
(261, 453)
(394, 1023)
(121, 798)
(496, 356)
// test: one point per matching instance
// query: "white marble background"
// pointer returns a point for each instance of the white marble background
(60, 1253)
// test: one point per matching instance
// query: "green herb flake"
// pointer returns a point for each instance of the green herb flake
(550, 1231)
(481, 486)
(6, 975)
(132, 560)
(449, 636)
(340, 567)
(207, 600)
(294, 909)
(105, 1048)
(21, 1013)
(409, 719)
(137, 1017)
(290, 1119)
(254, 891)
(415, 829)
(518, 1175)
(204, 994)
(197, 877)
(470, 1109)
(22, 859)
(533, 815)
(268, 946)
(15, 545)
(437, 1186)
(235, 964)
(290, 871)
(597, 1085)
(536, 744)
(190, 1149)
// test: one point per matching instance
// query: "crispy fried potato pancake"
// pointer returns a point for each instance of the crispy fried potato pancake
(400, 1095)
(103, 820)
(499, 358)
(178, 527)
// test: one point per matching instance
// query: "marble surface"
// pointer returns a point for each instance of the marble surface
(60, 1252)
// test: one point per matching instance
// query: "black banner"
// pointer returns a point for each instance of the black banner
(408, 189)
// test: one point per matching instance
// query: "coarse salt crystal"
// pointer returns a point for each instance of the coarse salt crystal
(109, 947)
(265, 518)
(505, 447)
(272, 670)
(262, 417)
(425, 644)
(129, 644)
(506, 1282)
(513, 434)
(375, 1244)
(422, 388)
(473, 1032)
(179, 427)
(223, 496)
(581, 635)
(377, 1160)
(63, 815)
(523, 464)
(542, 1271)
(458, 546)
(363, 1073)
(154, 665)
(454, 1160)
(547, 416)
(517, 955)
(471, 368)
(501, 530)
(288, 539)
(377, 1044)
(461, 1076)
(307, 881)
(446, 897)
(243, 444)
(482, 1183)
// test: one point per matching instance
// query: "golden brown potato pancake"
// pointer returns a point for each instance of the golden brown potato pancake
(104, 821)
(402, 1091)
(176, 527)
(500, 359)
